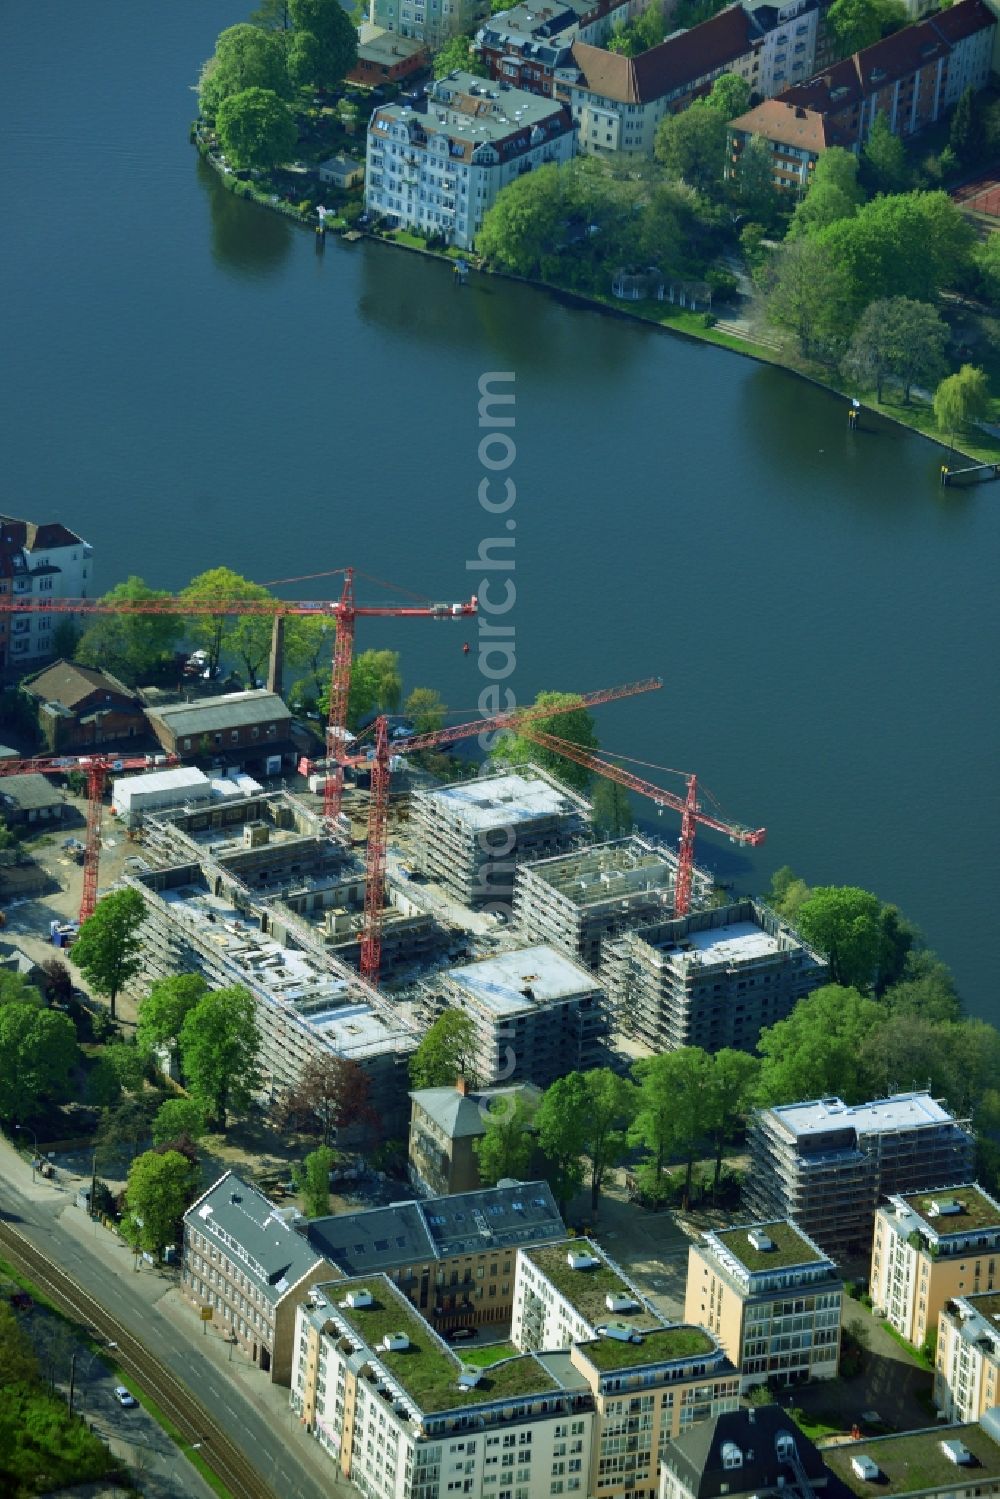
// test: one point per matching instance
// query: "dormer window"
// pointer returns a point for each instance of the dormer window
(732, 1457)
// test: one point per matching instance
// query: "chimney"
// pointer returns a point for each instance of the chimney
(462, 1086)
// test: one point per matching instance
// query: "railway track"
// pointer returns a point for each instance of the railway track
(189, 1416)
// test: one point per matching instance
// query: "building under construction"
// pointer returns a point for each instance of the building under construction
(537, 1015)
(471, 837)
(711, 979)
(827, 1165)
(574, 901)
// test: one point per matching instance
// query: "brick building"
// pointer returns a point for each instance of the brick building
(79, 708)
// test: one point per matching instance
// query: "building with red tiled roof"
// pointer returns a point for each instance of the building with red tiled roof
(38, 563)
(617, 102)
(797, 138)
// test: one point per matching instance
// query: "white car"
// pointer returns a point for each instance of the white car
(124, 1397)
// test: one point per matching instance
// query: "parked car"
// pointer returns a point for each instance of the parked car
(124, 1397)
(460, 1334)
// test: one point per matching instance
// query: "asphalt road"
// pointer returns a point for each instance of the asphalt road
(258, 1432)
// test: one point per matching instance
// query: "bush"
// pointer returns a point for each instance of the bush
(708, 320)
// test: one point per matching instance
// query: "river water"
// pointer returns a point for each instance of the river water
(187, 382)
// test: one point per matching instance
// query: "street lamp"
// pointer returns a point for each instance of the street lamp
(34, 1136)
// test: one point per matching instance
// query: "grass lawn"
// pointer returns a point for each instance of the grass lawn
(43, 1447)
(481, 1356)
(907, 1348)
(817, 1424)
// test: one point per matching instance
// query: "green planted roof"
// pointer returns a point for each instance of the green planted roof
(585, 1290)
(790, 1248)
(915, 1461)
(656, 1348)
(426, 1371)
(977, 1210)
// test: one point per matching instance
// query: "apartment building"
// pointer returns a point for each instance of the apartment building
(430, 21)
(525, 45)
(471, 837)
(796, 137)
(742, 1453)
(39, 564)
(967, 1372)
(617, 102)
(438, 167)
(772, 1298)
(245, 1267)
(826, 1165)
(913, 77)
(650, 1380)
(401, 1417)
(929, 1247)
(536, 1014)
(445, 1124)
(574, 901)
(713, 979)
(452, 1257)
(948, 1462)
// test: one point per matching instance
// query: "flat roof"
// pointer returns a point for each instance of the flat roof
(500, 983)
(790, 1246)
(976, 1209)
(660, 1347)
(606, 871)
(427, 1370)
(498, 800)
(585, 1290)
(737, 943)
(901, 1111)
(160, 780)
(914, 1461)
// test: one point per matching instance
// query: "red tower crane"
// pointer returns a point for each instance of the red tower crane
(688, 806)
(97, 768)
(378, 804)
(344, 611)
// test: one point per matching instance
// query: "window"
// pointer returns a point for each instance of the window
(234, 736)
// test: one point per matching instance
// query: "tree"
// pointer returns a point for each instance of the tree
(245, 57)
(692, 145)
(734, 1077)
(103, 1088)
(851, 926)
(38, 1053)
(787, 893)
(128, 1064)
(561, 1122)
(312, 1180)
(909, 245)
(309, 643)
(687, 1076)
(926, 989)
(159, 1191)
(458, 53)
(177, 1117)
(131, 646)
(446, 1053)
(898, 339)
(376, 686)
(165, 1007)
(245, 636)
(18, 1363)
(961, 399)
(753, 185)
(856, 24)
(825, 203)
(521, 229)
(336, 40)
(817, 1050)
(108, 950)
(426, 710)
(332, 1094)
(967, 136)
(256, 129)
(611, 811)
(730, 94)
(127, 1125)
(272, 15)
(809, 296)
(884, 163)
(58, 982)
(505, 1150)
(653, 1121)
(220, 1045)
(610, 1107)
(576, 726)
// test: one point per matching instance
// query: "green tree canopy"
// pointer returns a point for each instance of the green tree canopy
(735, 1076)
(968, 133)
(376, 687)
(108, 950)
(458, 53)
(220, 1046)
(817, 1050)
(521, 229)
(309, 641)
(884, 165)
(163, 1011)
(336, 40)
(730, 93)
(446, 1053)
(611, 1107)
(132, 646)
(561, 1121)
(177, 1117)
(692, 145)
(505, 1150)
(245, 57)
(752, 186)
(159, 1191)
(611, 811)
(926, 989)
(128, 1064)
(961, 399)
(809, 296)
(858, 934)
(576, 726)
(897, 339)
(856, 24)
(312, 1180)
(38, 1053)
(246, 637)
(257, 129)
(426, 710)
(823, 204)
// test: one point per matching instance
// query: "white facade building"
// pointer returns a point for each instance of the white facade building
(437, 170)
(430, 21)
(38, 563)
